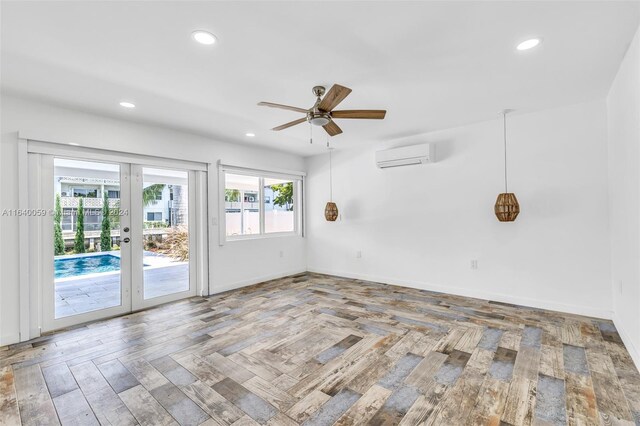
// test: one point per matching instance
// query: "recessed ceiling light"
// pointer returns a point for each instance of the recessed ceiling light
(203, 37)
(127, 104)
(529, 44)
(250, 134)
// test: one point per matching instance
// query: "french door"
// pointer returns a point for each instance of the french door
(116, 236)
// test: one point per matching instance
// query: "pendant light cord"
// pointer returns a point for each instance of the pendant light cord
(504, 127)
(330, 178)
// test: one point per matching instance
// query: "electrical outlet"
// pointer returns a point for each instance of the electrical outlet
(281, 253)
(358, 254)
(474, 263)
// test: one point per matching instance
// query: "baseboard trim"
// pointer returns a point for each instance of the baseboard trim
(497, 297)
(628, 342)
(244, 283)
(10, 339)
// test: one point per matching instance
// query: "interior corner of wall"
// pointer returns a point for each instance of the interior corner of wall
(630, 343)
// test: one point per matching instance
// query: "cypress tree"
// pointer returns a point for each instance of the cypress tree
(57, 228)
(78, 244)
(105, 233)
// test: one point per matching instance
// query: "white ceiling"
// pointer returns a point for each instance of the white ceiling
(432, 65)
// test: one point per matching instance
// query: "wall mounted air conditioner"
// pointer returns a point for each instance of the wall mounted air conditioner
(406, 156)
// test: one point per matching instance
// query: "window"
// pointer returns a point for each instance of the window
(113, 194)
(261, 204)
(92, 219)
(154, 216)
(84, 192)
(68, 219)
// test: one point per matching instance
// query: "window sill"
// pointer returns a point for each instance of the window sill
(237, 238)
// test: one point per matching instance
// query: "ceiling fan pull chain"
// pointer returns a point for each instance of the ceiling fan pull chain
(310, 133)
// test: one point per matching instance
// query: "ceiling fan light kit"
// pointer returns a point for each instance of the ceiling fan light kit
(507, 207)
(322, 113)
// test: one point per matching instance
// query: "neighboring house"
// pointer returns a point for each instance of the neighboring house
(251, 202)
(72, 188)
(159, 212)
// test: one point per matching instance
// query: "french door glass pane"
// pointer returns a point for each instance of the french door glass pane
(165, 199)
(278, 205)
(86, 242)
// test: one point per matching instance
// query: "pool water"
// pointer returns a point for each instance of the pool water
(86, 265)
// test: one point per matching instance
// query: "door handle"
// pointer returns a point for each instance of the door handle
(126, 240)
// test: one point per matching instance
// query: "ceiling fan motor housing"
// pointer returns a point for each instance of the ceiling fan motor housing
(316, 116)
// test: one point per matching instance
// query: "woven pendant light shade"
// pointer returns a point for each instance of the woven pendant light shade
(507, 207)
(331, 211)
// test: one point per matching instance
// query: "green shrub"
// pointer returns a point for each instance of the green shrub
(78, 243)
(58, 241)
(105, 233)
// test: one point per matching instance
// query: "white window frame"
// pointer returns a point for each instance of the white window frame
(34, 255)
(298, 179)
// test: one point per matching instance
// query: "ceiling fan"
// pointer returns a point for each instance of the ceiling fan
(322, 113)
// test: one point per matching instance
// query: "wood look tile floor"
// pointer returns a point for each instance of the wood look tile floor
(319, 350)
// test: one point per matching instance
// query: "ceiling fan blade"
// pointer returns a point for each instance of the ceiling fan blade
(332, 128)
(290, 108)
(372, 114)
(334, 96)
(290, 124)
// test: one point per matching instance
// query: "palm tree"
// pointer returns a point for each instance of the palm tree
(231, 195)
(151, 193)
(180, 205)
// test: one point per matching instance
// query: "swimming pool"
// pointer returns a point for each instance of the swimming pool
(86, 265)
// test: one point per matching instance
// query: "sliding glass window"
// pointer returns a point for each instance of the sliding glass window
(261, 205)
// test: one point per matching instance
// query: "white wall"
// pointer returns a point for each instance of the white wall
(420, 226)
(234, 264)
(623, 103)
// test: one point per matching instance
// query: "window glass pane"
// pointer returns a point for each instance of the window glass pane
(278, 206)
(154, 216)
(242, 206)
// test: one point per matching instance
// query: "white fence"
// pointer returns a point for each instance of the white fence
(274, 221)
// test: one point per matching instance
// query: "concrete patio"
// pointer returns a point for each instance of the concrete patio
(101, 291)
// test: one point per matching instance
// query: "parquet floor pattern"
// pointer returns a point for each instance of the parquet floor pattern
(319, 350)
